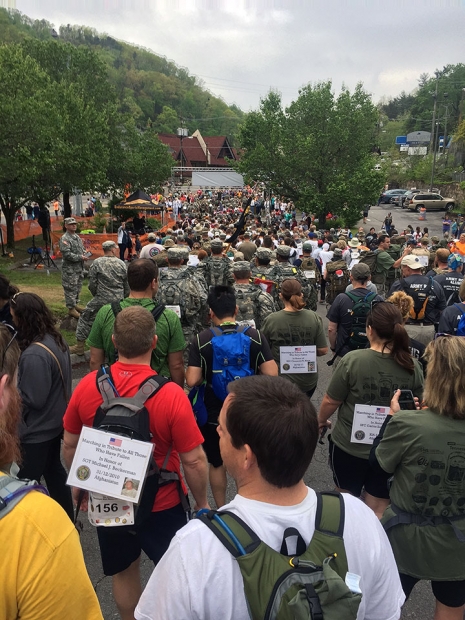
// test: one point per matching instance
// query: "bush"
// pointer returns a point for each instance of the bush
(338, 222)
(97, 223)
(153, 223)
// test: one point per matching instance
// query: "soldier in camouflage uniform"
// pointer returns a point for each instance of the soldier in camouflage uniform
(72, 271)
(261, 267)
(253, 303)
(283, 270)
(181, 291)
(108, 281)
(310, 272)
(216, 268)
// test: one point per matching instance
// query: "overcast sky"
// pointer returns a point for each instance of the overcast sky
(242, 48)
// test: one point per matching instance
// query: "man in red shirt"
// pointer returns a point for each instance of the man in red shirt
(172, 425)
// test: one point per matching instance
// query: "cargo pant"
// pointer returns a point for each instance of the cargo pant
(71, 279)
(87, 318)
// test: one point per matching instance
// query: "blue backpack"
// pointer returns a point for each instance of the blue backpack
(231, 358)
(461, 324)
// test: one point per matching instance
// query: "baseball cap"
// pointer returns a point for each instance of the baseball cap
(107, 245)
(70, 220)
(283, 250)
(337, 252)
(360, 271)
(307, 246)
(151, 237)
(411, 261)
(240, 265)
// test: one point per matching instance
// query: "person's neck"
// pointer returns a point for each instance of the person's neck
(243, 281)
(226, 320)
(357, 284)
(379, 345)
(141, 360)
(260, 491)
(289, 307)
(147, 294)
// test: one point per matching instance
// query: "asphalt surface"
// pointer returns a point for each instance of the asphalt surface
(421, 603)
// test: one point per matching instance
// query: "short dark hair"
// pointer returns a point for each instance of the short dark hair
(279, 423)
(222, 301)
(382, 238)
(141, 272)
(133, 331)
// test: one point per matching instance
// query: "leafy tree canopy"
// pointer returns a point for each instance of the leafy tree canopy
(317, 152)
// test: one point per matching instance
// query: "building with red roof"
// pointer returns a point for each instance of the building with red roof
(197, 151)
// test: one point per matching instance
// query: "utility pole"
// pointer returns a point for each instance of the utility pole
(444, 143)
(432, 142)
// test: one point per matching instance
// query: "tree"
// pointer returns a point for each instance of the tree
(317, 152)
(28, 118)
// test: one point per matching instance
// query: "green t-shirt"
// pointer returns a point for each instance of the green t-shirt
(383, 262)
(169, 332)
(426, 453)
(303, 328)
(367, 377)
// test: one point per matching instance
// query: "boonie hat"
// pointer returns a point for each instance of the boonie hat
(337, 252)
(360, 271)
(169, 243)
(107, 245)
(70, 220)
(411, 261)
(354, 243)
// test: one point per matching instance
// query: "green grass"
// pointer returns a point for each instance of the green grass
(44, 282)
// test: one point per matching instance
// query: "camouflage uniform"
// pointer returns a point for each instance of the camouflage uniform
(108, 281)
(179, 287)
(283, 271)
(72, 270)
(217, 269)
(253, 303)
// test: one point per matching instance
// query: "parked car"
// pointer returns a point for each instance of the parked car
(430, 202)
(406, 198)
(386, 196)
(397, 199)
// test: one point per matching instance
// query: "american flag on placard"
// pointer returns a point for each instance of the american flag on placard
(298, 349)
(380, 410)
(115, 442)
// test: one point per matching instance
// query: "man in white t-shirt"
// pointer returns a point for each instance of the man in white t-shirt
(267, 453)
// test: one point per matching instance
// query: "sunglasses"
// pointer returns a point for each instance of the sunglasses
(376, 302)
(14, 334)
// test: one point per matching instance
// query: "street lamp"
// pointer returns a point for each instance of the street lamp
(182, 133)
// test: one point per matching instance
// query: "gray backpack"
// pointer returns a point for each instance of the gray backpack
(13, 489)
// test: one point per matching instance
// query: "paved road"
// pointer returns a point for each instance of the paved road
(421, 603)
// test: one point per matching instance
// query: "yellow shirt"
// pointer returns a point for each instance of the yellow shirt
(42, 570)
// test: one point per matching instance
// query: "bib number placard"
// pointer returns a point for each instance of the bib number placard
(368, 419)
(299, 360)
(310, 275)
(175, 309)
(109, 512)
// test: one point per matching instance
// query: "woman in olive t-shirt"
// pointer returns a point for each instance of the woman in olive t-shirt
(296, 327)
(424, 451)
(367, 377)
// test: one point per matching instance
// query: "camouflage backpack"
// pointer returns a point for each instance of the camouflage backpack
(337, 278)
(179, 288)
(285, 272)
(217, 271)
(247, 301)
(312, 276)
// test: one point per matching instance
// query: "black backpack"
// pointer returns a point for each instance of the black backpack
(357, 338)
(128, 416)
(420, 299)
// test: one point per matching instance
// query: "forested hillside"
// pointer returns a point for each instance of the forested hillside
(155, 91)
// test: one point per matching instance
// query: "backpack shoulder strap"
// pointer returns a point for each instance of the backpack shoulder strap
(241, 329)
(330, 514)
(216, 331)
(238, 538)
(353, 297)
(12, 491)
(116, 307)
(158, 311)
(462, 310)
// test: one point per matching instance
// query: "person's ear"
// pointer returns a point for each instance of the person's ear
(154, 342)
(3, 398)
